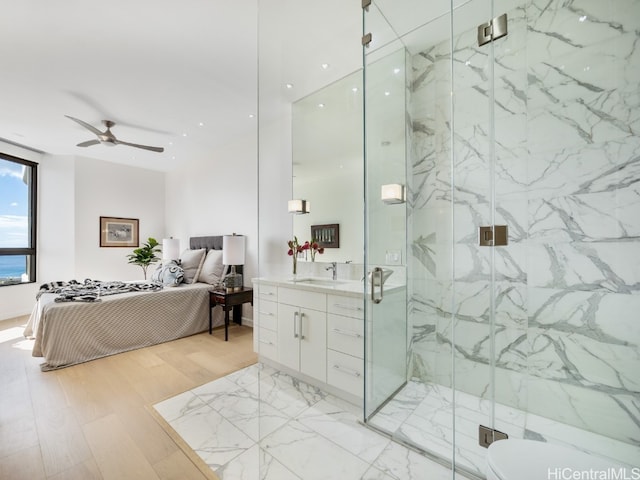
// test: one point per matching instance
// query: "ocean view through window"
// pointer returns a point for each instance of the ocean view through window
(17, 220)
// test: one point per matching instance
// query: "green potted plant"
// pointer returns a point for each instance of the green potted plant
(145, 255)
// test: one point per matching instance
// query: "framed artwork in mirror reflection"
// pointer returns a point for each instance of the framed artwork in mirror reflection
(327, 236)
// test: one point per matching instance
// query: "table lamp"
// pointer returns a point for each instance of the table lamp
(233, 254)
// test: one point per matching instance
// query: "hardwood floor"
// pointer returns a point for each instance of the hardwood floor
(93, 421)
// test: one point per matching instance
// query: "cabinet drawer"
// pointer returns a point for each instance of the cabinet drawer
(347, 306)
(303, 298)
(267, 314)
(268, 343)
(345, 372)
(345, 335)
(265, 292)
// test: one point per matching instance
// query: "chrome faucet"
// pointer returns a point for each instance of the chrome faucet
(334, 270)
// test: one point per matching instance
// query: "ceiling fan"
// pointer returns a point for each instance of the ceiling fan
(108, 138)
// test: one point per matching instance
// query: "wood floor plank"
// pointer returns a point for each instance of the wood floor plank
(17, 434)
(116, 454)
(26, 463)
(61, 440)
(83, 471)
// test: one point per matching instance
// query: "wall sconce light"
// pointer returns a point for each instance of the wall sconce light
(299, 207)
(170, 249)
(392, 193)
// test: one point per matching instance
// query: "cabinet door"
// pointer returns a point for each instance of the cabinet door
(313, 344)
(289, 336)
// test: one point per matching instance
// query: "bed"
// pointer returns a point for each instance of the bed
(68, 333)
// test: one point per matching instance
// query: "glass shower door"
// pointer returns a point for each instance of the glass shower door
(385, 213)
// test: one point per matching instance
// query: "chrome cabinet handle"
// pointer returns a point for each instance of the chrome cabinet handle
(348, 307)
(268, 314)
(295, 324)
(266, 343)
(302, 337)
(346, 370)
(347, 333)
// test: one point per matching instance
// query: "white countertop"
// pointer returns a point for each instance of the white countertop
(352, 288)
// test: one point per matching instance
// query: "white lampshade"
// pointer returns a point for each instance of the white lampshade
(170, 249)
(233, 250)
(392, 193)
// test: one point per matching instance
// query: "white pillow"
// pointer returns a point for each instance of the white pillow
(212, 268)
(191, 263)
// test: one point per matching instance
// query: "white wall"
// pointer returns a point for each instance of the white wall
(113, 190)
(73, 192)
(217, 196)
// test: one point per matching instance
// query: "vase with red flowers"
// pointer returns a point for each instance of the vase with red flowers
(294, 249)
(314, 249)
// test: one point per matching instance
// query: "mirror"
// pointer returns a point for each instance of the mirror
(327, 152)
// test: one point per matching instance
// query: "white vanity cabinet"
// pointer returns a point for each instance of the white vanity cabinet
(314, 329)
(345, 343)
(302, 331)
(265, 300)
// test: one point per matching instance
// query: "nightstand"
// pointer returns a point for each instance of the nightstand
(228, 301)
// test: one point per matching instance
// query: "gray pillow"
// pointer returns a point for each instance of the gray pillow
(191, 263)
(212, 268)
(169, 274)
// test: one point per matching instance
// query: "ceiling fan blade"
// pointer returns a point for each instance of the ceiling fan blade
(88, 143)
(91, 128)
(145, 147)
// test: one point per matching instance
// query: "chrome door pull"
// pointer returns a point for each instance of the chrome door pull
(376, 277)
(301, 335)
(295, 324)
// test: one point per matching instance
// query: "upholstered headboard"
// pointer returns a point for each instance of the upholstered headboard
(211, 242)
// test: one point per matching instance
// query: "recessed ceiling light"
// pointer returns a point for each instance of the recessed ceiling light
(184, 134)
(354, 89)
(325, 66)
(396, 70)
(170, 143)
(251, 115)
(582, 18)
(201, 124)
(321, 105)
(289, 86)
(387, 93)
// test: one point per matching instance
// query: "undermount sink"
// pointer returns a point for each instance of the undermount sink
(319, 281)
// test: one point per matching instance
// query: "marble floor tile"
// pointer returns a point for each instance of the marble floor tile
(312, 456)
(333, 421)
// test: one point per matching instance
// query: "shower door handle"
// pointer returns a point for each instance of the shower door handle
(376, 277)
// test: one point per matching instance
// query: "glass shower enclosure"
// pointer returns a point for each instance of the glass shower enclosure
(517, 236)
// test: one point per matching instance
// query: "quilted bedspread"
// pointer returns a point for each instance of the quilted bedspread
(71, 333)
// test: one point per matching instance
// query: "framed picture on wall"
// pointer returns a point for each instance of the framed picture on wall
(327, 236)
(119, 232)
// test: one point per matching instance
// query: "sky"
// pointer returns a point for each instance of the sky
(14, 206)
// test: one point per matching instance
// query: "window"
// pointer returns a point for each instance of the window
(18, 179)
